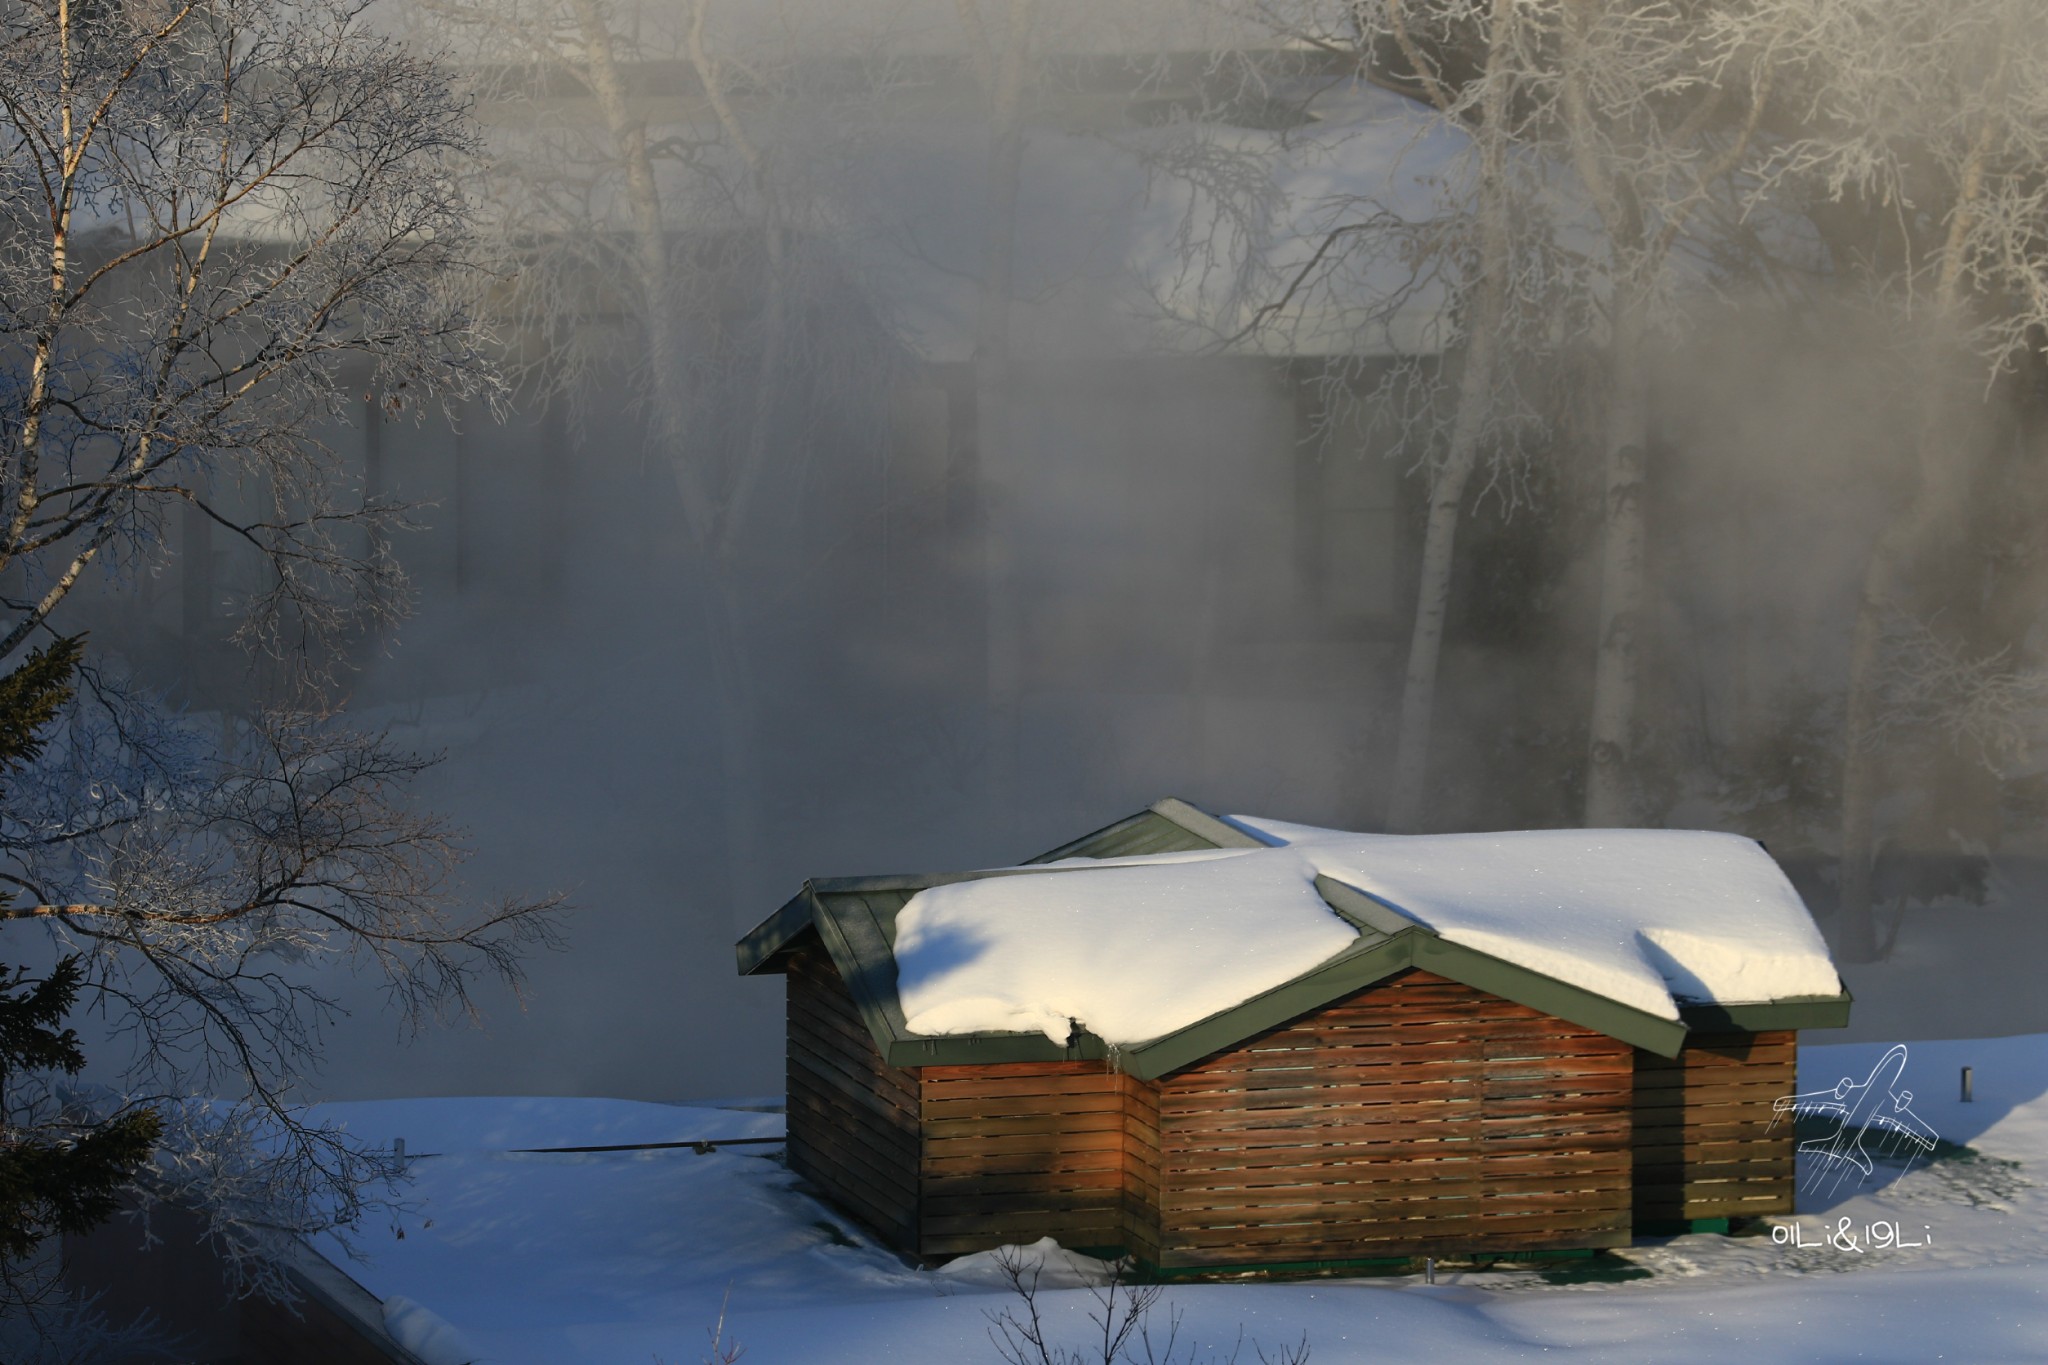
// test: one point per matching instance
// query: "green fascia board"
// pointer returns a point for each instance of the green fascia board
(1169, 825)
(1794, 1012)
(985, 1049)
(1511, 981)
(1573, 1004)
(1146, 832)
(775, 933)
(860, 949)
(1362, 908)
(1219, 832)
(1373, 958)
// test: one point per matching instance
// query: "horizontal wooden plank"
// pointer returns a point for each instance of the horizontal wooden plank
(1422, 1198)
(1347, 1089)
(1403, 1122)
(1360, 1221)
(1781, 1063)
(1415, 1245)
(848, 1102)
(1361, 1239)
(867, 1069)
(1695, 1088)
(1021, 1163)
(1007, 1071)
(895, 1164)
(938, 1108)
(1104, 1202)
(1011, 1125)
(834, 1034)
(1108, 1139)
(811, 1118)
(807, 1076)
(1714, 1154)
(1423, 1155)
(942, 1184)
(1326, 1050)
(1711, 1184)
(1022, 1089)
(851, 1183)
(1275, 1168)
(883, 1084)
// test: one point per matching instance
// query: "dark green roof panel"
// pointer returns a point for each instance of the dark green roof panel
(1170, 826)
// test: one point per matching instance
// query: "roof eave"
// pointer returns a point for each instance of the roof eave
(1758, 1016)
(768, 938)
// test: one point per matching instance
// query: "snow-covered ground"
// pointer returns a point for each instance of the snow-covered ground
(623, 1258)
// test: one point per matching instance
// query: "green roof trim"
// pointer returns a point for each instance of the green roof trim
(856, 919)
(1362, 908)
(1168, 826)
(775, 933)
(1573, 1004)
(1796, 1012)
(862, 948)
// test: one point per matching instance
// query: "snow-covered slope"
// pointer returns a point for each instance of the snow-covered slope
(1131, 952)
(619, 1258)
(1136, 948)
(1648, 917)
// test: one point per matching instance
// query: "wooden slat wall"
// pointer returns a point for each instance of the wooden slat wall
(1020, 1151)
(853, 1119)
(1141, 1168)
(1418, 1117)
(1705, 1142)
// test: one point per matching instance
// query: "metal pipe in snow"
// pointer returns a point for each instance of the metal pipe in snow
(1967, 1096)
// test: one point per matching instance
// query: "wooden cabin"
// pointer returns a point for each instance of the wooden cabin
(1408, 1097)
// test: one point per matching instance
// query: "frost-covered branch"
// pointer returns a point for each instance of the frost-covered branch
(209, 210)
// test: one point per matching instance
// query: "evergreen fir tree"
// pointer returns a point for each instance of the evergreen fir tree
(54, 1177)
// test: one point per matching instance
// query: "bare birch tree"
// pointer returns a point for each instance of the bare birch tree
(1656, 109)
(1934, 120)
(209, 207)
(1456, 411)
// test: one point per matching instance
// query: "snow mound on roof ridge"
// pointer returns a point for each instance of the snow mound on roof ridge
(1650, 918)
(1131, 951)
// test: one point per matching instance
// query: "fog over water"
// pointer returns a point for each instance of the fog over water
(1009, 569)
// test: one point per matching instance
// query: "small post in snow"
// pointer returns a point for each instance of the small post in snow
(398, 1154)
(1429, 1270)
(1968, 1098)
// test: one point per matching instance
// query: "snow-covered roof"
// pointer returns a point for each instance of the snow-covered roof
(1184, 944)
(1652, 918)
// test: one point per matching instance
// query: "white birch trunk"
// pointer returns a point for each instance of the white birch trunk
(1610, 802)
(1934, 493)
(1474, 404)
